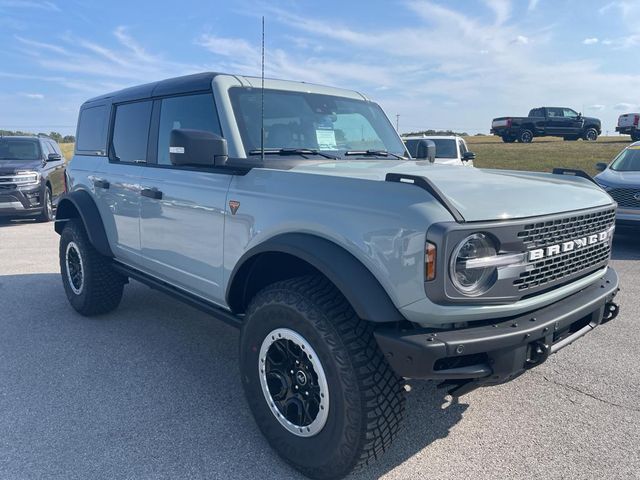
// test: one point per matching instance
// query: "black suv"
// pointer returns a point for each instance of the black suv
(31, 177)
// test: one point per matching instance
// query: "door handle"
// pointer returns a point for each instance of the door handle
(151, 193)
(98, 183)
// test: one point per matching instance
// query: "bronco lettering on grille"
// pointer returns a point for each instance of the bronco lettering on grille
(564, 247)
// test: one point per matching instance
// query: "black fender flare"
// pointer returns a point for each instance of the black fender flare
(355, 281)
(80, 204)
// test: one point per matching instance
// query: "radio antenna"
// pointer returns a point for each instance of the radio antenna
(262, 100)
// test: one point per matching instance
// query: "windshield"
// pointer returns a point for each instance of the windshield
(627, 161)
(19, 149)
(301, 120)
(445, 147)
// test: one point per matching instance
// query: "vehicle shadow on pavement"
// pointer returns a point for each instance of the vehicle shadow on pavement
(151, 390)
(626, 245)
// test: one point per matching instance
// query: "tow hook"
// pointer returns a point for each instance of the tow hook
(611, 310)
(539, 352)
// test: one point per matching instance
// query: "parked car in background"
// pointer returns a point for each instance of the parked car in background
(450, 149)
(547, 122)
(31, 177)
(621, 180)
(628, 125)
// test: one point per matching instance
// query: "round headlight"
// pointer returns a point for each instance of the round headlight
(473, 278)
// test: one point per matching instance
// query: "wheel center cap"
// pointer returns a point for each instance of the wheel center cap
(301, 377)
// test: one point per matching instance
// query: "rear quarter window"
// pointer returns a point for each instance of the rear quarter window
(92, 131)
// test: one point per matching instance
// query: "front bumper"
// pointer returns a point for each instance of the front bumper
(496, 352)
(21, 201)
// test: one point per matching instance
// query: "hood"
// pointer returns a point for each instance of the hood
(9, 167)
(481, 194)
(591, 120)
(613, 178)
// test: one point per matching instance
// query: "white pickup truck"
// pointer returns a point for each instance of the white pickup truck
(628, 125)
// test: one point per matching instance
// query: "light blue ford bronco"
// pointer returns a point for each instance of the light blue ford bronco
(295, 213)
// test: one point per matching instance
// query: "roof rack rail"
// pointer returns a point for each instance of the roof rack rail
(43, 135)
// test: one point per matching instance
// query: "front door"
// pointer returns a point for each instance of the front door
(183, 208)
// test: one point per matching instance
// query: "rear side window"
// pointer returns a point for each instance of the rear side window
(131, 132)
(196, 112)
(92, 131)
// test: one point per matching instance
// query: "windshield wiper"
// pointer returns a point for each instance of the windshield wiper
(373, 153)
(292, 151)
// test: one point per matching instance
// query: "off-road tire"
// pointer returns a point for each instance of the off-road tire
(508, 139)
(635, 137)
(525, 136)
(590, 135)
(366, 398)
(102, 287)
(47, 207)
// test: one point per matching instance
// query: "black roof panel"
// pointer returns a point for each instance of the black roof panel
(171, 86)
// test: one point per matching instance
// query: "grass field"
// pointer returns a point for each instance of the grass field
(542, 155)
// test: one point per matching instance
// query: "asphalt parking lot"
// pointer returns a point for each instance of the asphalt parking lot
(153, 391)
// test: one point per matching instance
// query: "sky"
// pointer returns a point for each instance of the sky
(438, 65)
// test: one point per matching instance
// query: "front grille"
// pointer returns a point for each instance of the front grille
(553, 232)
(626, 197)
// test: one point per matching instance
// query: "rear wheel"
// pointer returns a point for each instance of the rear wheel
(317, 384)
(525, 136)
(92, 285)
(635, 136)
(590, 135)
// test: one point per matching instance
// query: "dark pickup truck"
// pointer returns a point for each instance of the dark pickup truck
(547, 122)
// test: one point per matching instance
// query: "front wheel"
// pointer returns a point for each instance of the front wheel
(317, 384)
(92, 285)
(590, 135)
(47, 207)
(635, 136)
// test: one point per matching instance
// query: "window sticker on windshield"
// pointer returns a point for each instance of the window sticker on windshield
(326, 139)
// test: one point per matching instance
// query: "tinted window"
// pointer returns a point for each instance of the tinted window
(19, 149)
(536, 112)
(195, 112)
(91, 136)
(568, 113)
(412, 146)
(554, 112)
(445, 148)
(131, 132)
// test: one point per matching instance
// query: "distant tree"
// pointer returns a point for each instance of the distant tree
(68, 139)
(55, 136)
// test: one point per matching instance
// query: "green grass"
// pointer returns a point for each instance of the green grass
(543, 154)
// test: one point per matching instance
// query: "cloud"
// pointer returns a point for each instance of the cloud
(48, 6)
(596, 107)
(521, 39)
(590, 41)
(501, 9)
(532, 5)
(228, 47)
(34, 96)
(624, 106)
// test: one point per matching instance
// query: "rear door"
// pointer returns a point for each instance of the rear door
(555, 121)
(117, 183)
(56, 171)
(183, 208)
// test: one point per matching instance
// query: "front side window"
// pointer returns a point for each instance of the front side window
(19, 149)
(302, 120)
(196, 112)
(627, 161)
(568, 113)
(131, 132)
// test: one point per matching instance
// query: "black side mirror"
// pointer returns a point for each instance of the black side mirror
(601, 166)
(197, 148)
(54, 157)
(426, 150)
(468, 156)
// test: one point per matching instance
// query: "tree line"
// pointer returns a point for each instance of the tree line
(58, 137)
